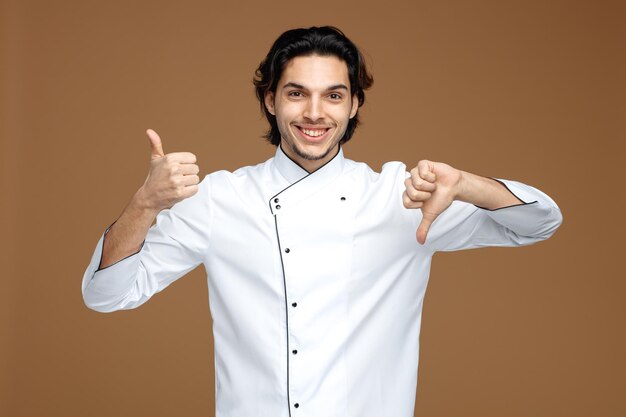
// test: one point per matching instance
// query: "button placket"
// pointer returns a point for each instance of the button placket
(293, 332)
(294, 250)
(296, 366)
(290, 274)
(297, 246)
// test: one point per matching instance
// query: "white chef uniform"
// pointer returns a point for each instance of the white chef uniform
(316, 282)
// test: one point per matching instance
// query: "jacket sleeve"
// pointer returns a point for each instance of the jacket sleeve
(175, 245)
(465, 226)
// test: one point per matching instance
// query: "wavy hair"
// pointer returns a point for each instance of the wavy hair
(323, 41)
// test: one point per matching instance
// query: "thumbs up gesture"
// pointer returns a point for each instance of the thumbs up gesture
(432, 187)
(172, 177)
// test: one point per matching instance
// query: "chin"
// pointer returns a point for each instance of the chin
(312, 152)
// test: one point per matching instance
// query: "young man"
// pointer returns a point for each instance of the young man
(317, 266)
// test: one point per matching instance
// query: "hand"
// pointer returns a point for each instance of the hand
(172, 177)
(432, 187)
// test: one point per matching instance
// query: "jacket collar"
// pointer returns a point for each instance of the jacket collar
(302, 184)
(293, 172)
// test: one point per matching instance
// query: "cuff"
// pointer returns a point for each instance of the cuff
(519, 190)
(537, 215)
(115, 278)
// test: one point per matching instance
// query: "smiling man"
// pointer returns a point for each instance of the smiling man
(317, 266)
(314, 108)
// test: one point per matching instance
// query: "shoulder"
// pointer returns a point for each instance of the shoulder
(241, 186)
(391, 173)
(225, 177)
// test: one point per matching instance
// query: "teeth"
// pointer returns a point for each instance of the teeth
(314, 133)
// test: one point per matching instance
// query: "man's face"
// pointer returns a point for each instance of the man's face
(312, 105)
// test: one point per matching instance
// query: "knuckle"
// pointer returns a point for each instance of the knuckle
(173, 184)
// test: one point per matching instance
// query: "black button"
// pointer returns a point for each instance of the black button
(294, 304)
(343, 199)
(275, 200)
(287, 250)
(295, 351)
(278, 207)
(296, 405)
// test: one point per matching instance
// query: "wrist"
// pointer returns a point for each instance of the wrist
(462, 186)
(141, 202)
(484, 192)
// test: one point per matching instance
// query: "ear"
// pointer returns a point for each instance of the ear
(269, 102)
(355, 106)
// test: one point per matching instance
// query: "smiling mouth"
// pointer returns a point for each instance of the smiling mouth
(313, 133)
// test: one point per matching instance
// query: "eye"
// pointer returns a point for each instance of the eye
(294, 94)
(334, 96)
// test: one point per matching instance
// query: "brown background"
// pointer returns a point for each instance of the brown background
(527, 90)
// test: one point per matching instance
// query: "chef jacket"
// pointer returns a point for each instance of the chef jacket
(316, 281)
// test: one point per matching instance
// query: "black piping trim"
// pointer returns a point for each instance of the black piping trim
(282, 265)
(116, 262)
(523, 203)
(285, 153)
(280, 253)
(306, 176)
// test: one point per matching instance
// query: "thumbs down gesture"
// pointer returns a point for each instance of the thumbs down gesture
(432, 187)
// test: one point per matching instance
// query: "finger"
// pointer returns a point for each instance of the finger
(189, 191)
(155, 144)
(426, 170)
(181, 157)
(424, 227)
(421, 184)
(189, 180)
(415, 194)
(418, 196)
(189, 169)
(410, 204)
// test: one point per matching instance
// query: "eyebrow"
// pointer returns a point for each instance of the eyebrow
(301, 87)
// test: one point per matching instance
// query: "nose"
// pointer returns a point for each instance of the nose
(313, 110)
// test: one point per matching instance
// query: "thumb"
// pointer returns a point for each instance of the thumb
(155, 144)
(422, 229)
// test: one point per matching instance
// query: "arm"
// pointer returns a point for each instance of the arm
(484, 192)
(115, 270)
(499, 212)
(171, 179)
(126, 236)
